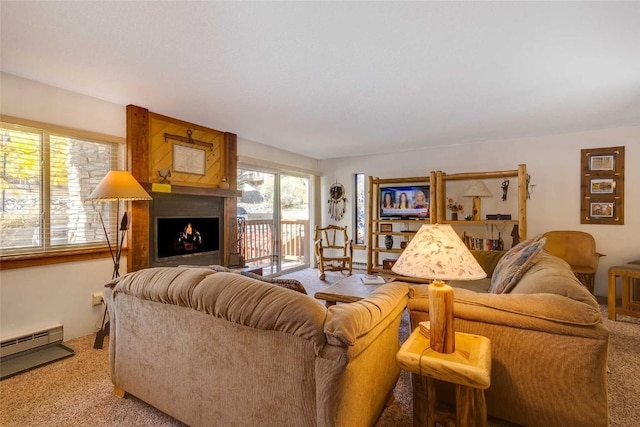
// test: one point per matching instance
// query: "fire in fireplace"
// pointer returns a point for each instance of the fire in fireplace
(184, 236)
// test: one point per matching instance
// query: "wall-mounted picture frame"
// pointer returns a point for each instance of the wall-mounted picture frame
(602, 186)
(602, 163)
(602, 209)
(386, 228)
(189, 160)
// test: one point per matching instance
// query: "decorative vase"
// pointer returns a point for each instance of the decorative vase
(224, 184)
(388, 241)
(454, 216)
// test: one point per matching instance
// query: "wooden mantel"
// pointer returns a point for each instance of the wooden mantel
(148, 152)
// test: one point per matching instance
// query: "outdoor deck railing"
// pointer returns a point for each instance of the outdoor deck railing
(258, 240)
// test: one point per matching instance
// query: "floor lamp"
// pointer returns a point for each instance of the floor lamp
(116, 186)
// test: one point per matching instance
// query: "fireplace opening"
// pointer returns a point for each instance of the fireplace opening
(184, 236)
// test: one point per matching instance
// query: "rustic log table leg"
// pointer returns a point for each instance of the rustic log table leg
(471, 409)
(611, 296)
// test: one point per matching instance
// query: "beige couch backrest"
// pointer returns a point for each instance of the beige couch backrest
(552, 275)
(232, 297)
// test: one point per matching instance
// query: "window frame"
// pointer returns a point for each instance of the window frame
(69, 253)
(357, 207)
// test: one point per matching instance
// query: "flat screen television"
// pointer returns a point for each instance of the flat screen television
(404, 202)
(180, 236)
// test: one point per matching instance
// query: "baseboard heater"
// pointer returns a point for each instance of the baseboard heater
(28, 351)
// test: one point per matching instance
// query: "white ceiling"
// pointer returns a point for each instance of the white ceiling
(335, 79)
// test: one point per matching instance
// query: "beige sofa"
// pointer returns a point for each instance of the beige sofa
(549, 345)
(213, 348)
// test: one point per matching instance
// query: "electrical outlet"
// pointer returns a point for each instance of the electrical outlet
(97, 298)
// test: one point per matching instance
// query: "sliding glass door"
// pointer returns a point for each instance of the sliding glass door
(275, 207)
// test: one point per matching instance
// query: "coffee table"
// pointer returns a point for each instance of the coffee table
(349, 289)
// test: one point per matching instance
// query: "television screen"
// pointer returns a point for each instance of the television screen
(404, 202)
(186, 236)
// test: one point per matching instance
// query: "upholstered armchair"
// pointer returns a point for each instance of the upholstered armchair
(578, 249)
(334, 249)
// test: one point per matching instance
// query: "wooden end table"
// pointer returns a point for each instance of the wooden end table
(247, 269)
(349, 289)
(629, 306)
(469, 367)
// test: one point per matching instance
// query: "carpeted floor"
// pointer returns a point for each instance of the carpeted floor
(77, 391)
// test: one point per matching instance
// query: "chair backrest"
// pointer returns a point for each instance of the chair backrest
(575, 247)
(332, 236)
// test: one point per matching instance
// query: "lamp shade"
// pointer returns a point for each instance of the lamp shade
(437, 252)
(118, 185)
(478, 189)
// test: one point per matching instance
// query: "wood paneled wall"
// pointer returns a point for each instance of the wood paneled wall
(148, 152)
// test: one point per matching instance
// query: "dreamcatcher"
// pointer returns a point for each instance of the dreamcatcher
(337, 201)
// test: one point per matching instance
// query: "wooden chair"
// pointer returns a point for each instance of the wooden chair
(578, 249)
(334, 250)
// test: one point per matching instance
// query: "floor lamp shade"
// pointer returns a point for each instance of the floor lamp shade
(116, 186)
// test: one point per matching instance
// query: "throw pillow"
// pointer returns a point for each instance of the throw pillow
(284, 283)
(515, 263)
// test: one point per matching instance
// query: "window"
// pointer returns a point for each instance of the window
(46, 173)
(359, 225)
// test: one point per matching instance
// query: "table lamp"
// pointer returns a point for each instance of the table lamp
(437, 252)
(477, 190)
(116, 186)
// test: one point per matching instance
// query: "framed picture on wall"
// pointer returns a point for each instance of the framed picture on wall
(602, 163)
(602, 186)
(189, 160)
(601, 209)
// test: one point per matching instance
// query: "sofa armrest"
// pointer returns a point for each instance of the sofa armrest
(347, 324)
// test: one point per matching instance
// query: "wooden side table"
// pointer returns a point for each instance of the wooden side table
(349, 289)
(469, 367)
(247, 269)
(629, 306)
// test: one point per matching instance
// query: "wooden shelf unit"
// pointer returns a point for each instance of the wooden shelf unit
(440, 179)
(376, 247)
(437, 182)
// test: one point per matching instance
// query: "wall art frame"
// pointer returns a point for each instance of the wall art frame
(189, 160)
(602, 186)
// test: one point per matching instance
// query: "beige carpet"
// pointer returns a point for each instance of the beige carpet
(77, 391)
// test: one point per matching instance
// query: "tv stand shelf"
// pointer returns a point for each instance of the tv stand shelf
(399, 228)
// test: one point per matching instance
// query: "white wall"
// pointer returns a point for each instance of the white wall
(264, 154)
(554, 164)
(38, 297)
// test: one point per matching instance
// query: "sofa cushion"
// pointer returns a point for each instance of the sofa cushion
(552, 275)
(514, 264)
